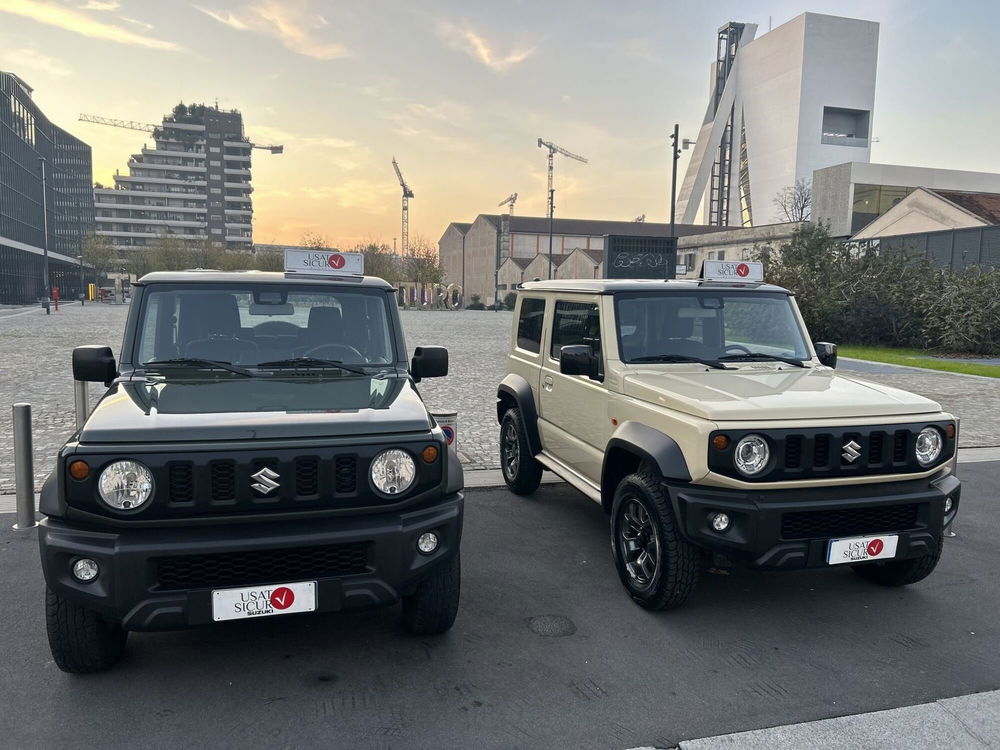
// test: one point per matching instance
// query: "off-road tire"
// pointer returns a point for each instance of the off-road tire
(679, 563)
(431, 609)
(524, 477)
(80, 639)
(900, 572)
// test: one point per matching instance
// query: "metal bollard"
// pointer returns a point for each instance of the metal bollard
(80, 402)
(24, 468)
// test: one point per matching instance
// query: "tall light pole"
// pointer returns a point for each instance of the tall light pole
(79, 249)
(676, 146)
(45, 244)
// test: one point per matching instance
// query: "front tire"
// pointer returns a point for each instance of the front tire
(901, 572)
(80, 639)
(432, 608)
(658, 568)
(521, 471)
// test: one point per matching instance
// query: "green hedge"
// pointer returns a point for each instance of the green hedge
(857, 296)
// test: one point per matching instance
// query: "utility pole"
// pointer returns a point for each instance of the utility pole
(553, 150)
(45, 244)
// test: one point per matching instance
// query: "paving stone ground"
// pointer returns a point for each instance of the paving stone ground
(35, 367)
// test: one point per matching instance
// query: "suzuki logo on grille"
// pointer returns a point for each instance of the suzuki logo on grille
(852, 451)
(265, 480)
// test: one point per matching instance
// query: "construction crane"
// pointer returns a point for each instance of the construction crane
(146, 127)
(553, 150)
(510, 200)
(407, 194)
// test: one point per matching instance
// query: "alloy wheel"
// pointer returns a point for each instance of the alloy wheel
(639, 542)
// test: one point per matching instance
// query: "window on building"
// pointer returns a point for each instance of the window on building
(529, 324)
(845, 127)
(871, 201)
(576, 323)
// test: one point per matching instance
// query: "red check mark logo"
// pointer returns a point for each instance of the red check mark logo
(875, 546)
(282, 597)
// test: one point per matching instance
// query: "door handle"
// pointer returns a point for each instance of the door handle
(547, 384)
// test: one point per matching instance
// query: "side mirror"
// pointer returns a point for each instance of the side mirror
(94, 364)
(429, 362)
(826, 353)
(578, 359)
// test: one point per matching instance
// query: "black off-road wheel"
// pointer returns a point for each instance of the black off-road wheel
(432, 608)
(81, 640)
(521, 471)
(658, 568)
(900, 572)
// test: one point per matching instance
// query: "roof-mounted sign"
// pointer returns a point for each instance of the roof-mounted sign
(324, 263)
(751, 271)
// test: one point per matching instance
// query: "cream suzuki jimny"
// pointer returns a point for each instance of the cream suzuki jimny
(706, 423)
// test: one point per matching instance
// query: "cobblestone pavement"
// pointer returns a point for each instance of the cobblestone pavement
(35, 367)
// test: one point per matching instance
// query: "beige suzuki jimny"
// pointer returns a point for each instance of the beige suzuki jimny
(706, 423)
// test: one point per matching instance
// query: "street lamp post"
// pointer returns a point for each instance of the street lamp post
(45, 244)
(79, 249)
(676, 146)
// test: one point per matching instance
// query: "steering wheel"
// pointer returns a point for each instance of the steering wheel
(341, 352)
(738, 347)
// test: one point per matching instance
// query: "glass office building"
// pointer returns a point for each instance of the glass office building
(31, 145)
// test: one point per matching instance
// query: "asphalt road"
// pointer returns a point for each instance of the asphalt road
(547, 651)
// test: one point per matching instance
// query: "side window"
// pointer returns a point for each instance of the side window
(576, 323)
(529, 324)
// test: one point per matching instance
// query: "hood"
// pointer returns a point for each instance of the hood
(163, 410)
(763, 392)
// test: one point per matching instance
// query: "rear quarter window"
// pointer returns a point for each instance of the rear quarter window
(529, 324)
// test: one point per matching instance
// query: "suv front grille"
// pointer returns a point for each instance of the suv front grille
(825, 452)
(816, 524)
(185, 572)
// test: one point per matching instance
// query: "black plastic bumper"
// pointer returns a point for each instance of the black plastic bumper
(761, 536)
(130, 587)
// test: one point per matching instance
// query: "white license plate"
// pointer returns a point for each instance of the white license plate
(263, 601)
(861, 549)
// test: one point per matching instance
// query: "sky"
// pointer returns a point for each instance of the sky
(460, 91)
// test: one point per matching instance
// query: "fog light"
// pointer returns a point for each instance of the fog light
(948, 505)
(428, 542)
(720, 521)
(85, 569)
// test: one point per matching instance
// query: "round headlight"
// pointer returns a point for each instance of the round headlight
(125, 485)
(929, 445)
(751, 455)
(393, 472)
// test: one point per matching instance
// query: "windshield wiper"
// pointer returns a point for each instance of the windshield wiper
(200, 363)
(681, 358)
(749, 356)
(311, 362)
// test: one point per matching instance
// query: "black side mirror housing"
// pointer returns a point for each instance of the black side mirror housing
(579, 359)
(826, 353)
(94, 364)
(429, 362)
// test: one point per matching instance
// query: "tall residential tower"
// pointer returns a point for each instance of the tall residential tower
(193, 185)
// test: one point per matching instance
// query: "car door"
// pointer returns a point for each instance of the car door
(573, 414)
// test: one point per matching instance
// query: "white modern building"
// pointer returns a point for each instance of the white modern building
(796, 99)
(193, 185)
(850, 197)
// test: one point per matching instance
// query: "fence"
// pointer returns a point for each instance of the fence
(954, 248)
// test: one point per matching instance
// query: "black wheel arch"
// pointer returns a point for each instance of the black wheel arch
(515, 391)
(632, 445)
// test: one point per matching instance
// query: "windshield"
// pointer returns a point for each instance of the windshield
(253, 324)
(709, 326)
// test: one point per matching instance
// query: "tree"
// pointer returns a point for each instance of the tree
(423, 264)
(170, 254)
(795, 202)
(381, 261)
(99, 253)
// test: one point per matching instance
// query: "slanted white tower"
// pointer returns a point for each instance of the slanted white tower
(797, 99)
